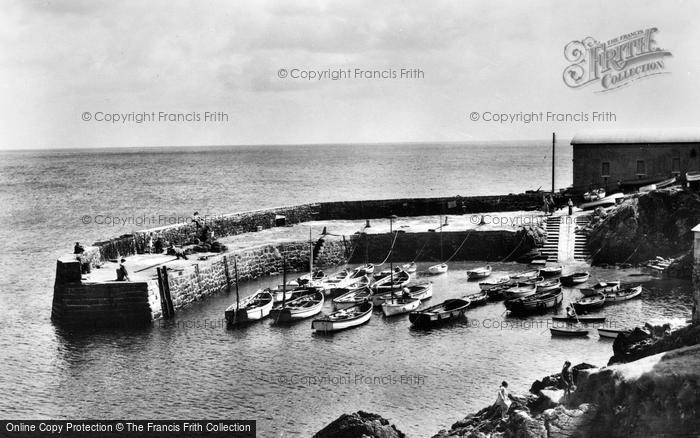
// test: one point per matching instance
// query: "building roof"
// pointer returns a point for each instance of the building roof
(689, 135)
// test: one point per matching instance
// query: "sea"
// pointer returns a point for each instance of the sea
(290, 380)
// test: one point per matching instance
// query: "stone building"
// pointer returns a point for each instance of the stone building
(627, 160)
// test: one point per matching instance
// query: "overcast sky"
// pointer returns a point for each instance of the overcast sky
(62, 59)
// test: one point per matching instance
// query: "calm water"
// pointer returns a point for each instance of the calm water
(285, 377)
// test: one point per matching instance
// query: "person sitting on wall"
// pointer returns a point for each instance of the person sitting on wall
(78, 248)
(122, 273)
(158, 246)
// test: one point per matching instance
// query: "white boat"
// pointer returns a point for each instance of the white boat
(602, 287)
(488, 285)
(520, 292)
(550, 271)
(594, 195)
(610, 332)
(410, 267)
(252, 308)
(548, 285)
(399, 305)
(623, 294)
(526, 275)
(438, 269)
(298, 308)
(421, 291)
(352, 298)
(477, 273)
(344, 318)
(386, 272)
(337, 281)
(367, 268)
(395, 282)
(282, 289)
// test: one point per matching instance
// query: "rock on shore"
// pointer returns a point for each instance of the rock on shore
(654, 224)
(360, 425)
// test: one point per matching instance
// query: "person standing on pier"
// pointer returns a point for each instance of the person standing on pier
(571, 207)
(503, 399)
(567, 378)
(122, 273)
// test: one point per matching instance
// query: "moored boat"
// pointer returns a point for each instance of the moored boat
(449, 310)
(400, 305)
(574, 278)
(602, 287)
(298, 308)
(603, 202)
(421, 291)
(482, 272)
(487, 285)
(550, 271)
(525, 275)
(610, 332)
(623, 294)
(540, 302)
(568, 331)
(344, 318)
(337, 281)
(312, 278)
(438, 269)
(545, 286)
(477, 298)
(589, 303)
(520, 292)
(252, 308)
(395, 281)
(352, 298)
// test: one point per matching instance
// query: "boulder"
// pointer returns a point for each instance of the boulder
(561, 422)
(360, 425)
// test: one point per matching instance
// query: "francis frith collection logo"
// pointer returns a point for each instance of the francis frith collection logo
(614, 63)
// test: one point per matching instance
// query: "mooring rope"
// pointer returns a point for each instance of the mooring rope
(460, 246)
(419, 252)
(390, 249)
(516, 248)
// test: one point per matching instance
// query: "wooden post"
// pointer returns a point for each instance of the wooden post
(161, 291)
(228, 274)
(554, 139)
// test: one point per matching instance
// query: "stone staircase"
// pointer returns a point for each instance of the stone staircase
(550, 249)
(581, 251)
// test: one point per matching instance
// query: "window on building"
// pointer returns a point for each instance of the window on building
(641, 167)
(605, 171)
(676, 165)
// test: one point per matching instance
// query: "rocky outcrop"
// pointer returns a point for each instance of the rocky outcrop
(360, 425)
(654, 224)
(641, 343)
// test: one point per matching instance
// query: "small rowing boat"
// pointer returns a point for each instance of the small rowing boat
(438, 269)
(603, 202)
(550, 271)
(315, 277)
(623, 294)
(525, 275)
(520, 292)
(421, 291)
(488, 285)
(570, 332)
(582, 319)
(603, 287)
(385, 273)
(352, 298)
(477, 299)
(399, 305)
(298, 308)
(478, 273)
(344, 318)
(252, 308)
(449, 310)
(541, 302)
(546, 286)
(395, 281)
(574, 278)
(611, 333)
(337, 281)
(589, 303)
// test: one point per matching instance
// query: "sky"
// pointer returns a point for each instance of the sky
(66, 66)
